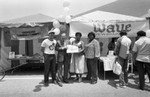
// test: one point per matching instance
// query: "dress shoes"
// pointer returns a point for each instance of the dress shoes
(87, 78)
(141, 88)
(54, 81)
(65, 81)
(93, 82)
(46, 84)
(59, 83)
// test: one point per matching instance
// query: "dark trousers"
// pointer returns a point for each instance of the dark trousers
(67, 59)
(123, 63)
(49, 63)
(142, 67)
(92, 69)
(59, 71)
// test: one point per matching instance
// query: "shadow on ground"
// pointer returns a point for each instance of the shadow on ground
(133, 82)
(38, 87)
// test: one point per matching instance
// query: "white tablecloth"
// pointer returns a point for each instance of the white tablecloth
(108, 62)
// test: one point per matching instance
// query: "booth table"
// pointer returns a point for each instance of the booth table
(26, 58)
(108, 62)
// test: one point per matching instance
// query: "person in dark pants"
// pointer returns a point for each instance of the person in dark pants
(141, 66)
(67, 59)
(48, 49)
(63, 58)
(92, 54)
(141, 56)
(122, 51)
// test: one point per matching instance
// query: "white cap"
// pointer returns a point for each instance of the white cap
(63, 34)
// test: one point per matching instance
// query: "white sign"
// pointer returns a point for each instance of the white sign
(72, 49)
(107, 29)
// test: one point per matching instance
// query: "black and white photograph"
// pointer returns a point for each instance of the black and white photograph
(74, 48)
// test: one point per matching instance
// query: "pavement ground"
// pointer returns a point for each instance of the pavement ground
(30, 84)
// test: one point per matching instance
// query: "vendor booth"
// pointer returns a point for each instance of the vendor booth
(106, 26)
(23, 37)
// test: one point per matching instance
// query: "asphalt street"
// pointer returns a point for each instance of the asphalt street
(31, 85)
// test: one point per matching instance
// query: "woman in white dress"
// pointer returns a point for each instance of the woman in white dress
(78, 65)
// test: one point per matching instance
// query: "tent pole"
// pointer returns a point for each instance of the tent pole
(148, 18)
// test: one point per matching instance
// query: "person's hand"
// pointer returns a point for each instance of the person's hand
(62, 48)
(96, 58)
(81, 52)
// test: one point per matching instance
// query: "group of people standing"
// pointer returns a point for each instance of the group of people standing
(84, 61)
(140, 56)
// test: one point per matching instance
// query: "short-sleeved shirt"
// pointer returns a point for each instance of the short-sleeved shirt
(142, 47)
(49, 46)
(122, 47)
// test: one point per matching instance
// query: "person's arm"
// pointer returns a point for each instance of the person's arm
(97, 49)
(58, 46)
(43, 45)
(134, 53)
(81, 48)
(117, 47)
(42, 49)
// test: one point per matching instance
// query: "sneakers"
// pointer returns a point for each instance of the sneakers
(122, 85)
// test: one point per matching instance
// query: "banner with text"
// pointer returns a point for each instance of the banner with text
(107, 29)
(28, 33)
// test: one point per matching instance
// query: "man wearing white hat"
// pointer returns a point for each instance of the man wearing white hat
(48, 49)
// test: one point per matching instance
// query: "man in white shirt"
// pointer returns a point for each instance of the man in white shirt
(122, 51)
(141, 54)
(48, 49)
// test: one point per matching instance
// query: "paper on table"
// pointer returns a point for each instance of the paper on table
(11, 54)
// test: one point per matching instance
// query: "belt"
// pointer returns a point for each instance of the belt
(50, 54)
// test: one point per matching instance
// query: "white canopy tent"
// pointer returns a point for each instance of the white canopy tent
(107, 21)
(106, 16)
(106, 25)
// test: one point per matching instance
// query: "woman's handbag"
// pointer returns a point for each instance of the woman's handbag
(117, 68)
